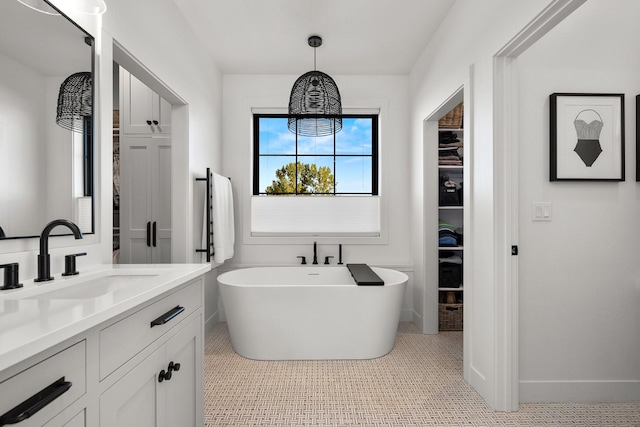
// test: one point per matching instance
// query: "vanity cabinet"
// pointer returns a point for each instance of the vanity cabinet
(145, 200)
(149, 396)
(151, 364)
(43, 390)
(142, 111)
(140, 367)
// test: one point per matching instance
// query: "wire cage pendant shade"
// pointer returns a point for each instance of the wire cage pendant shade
(315, 106)
(75, 101)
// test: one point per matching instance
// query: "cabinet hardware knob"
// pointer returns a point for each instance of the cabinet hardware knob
(155, 122)
(173, 366)
(149, 122)
(164, 375)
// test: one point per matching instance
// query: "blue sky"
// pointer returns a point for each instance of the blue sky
(353, 173)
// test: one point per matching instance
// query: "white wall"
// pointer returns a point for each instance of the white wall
(389, 93)
(468, 37)
(159, 38)
(461, 54)
(579, 274)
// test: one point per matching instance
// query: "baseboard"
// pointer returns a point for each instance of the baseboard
(579, 391)
(406, 315)
(211, 322)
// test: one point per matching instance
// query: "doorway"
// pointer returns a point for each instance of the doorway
(447, 156)
(171, 171)
(141, 172)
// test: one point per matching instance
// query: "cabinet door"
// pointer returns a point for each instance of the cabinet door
(142, 110)
(63, 420)
(145, 200)
(140, 400)
(184, 392)
(133, 401)
(161, 204)
(162, 114)
(135, 200)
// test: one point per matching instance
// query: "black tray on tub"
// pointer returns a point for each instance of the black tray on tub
(364, 275)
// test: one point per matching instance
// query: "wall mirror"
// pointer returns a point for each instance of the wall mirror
(46, 170)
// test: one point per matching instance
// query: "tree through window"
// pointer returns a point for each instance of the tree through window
(288, 164)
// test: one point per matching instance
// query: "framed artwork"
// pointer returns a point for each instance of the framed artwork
(587, 137)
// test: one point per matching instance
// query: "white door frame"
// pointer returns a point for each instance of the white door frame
(181, 182)
(505, 182)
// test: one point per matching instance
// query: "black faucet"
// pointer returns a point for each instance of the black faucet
(44, 261)
(315, 253)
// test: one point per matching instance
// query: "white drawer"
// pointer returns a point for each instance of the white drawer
(66, 369)
(122, 340)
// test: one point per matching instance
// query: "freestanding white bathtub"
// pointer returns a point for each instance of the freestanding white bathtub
(310, 313)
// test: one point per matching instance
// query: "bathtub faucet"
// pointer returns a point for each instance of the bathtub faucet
(315, 253)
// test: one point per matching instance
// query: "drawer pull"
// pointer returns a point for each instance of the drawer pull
(36, 402)
(167, 316)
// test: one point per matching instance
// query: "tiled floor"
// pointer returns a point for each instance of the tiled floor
(418, 384)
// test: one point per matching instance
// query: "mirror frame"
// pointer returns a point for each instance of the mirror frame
(88, 136)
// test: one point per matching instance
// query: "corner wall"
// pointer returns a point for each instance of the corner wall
(462, 54)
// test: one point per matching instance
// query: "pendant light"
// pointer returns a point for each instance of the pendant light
(75, 101)
(40, 5)
(315, 107)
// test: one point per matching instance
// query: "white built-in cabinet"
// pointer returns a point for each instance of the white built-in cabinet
(116, 374)
(142, 111)
(145, 200)
(145, 174)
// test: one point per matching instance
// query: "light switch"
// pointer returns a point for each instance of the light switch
(541, 212)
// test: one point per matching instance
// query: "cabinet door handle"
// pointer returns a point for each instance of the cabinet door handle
(164, 375)
(36, 402)
(148, 234)
(167, 316)
(155, 233)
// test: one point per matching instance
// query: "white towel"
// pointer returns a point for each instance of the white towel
(224, 234)
(204, 241)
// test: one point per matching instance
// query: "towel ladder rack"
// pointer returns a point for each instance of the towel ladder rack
(209, 201)
(209, 250)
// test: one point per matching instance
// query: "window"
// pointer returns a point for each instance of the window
(342, 164)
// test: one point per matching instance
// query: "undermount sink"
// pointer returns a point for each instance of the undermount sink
(119, 285)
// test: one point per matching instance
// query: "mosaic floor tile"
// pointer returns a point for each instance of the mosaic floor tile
(419, 383)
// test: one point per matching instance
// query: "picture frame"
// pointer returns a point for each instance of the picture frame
(586, 137)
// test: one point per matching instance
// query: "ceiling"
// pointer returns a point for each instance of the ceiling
(360, 37)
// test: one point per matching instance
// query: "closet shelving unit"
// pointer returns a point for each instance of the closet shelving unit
(451, 214)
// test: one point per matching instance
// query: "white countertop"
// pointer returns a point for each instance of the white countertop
(32, 321)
